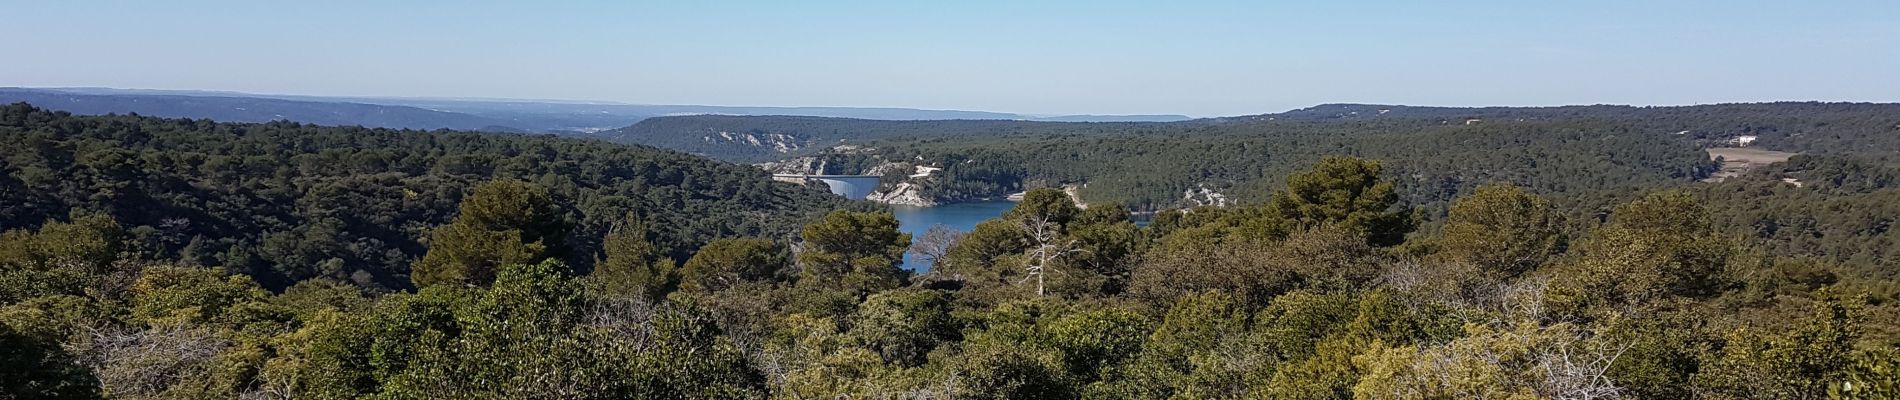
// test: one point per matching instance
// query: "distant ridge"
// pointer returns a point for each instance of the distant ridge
(507, 115)
(254, 109)
(754, 139)
(1353, 111)
(1114, 118)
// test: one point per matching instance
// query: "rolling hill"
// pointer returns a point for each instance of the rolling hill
(503, 115)
(765, 138)
(1443, 149)
(253, 109)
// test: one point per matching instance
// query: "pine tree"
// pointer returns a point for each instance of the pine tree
(1502, 229)
(1343, 191)
(503, 222)
(632, 265)
(724, 263)
(857, 251)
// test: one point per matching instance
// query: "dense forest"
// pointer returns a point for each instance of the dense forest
(1841, 209)
(1437, 151)
(754, 139)
(150, 258)
(284, 202)
(1869, 130)
(1434, 161)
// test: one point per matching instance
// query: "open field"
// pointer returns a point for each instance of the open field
(1736, 160)
(1748, 155)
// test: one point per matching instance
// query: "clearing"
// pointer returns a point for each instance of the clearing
(1736, 160)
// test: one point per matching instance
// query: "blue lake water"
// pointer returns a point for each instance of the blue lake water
(959, 216)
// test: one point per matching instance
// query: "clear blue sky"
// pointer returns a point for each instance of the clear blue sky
(1198, 58)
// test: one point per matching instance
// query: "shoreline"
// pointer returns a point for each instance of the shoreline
(948, 203)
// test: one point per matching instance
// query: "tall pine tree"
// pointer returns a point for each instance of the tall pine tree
(503, 222)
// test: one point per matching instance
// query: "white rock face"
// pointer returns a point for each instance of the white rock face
(778, 142)
(1201, 195)
(887, 167)
(904, 194)
(800, 166)
(852, 149)
(908, 192)
(1075, 195)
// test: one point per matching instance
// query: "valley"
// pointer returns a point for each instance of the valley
(324, 243)
(954, 200)
(1160, 165)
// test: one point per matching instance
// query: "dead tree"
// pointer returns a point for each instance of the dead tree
(934, 243)
(1047, 247)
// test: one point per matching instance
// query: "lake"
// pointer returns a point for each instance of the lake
(959, 216)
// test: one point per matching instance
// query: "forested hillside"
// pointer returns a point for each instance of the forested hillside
(1840, 209)
(1431, 162)
(766, 138)
(284, 202)
(1861, 129)
(1437, 151)
(1326, 289)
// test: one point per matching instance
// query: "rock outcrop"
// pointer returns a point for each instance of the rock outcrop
(777, 142)
(903, 194)
(1201, 195)
(797, 165)
(907, 192)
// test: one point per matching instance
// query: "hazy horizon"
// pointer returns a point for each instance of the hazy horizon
(626, 103)
(1199, 59)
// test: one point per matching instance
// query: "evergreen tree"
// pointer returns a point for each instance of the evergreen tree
(854, 251)
(37, 368)
(1801, 361)
(725, 263)
(1503, 229)
(1656, 248)
(1343, 191)
(904, 325)
(60, 258)
(631, 265)
(503, 222)
(1052, 205)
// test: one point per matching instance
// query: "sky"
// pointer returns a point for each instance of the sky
(1199, 58)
